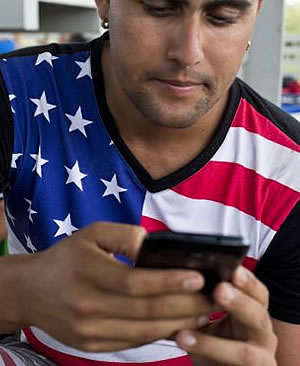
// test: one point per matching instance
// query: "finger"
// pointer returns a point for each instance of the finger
(119, 278)
(146, 282)
(249, 284)
(137, 332)
(115, 276)
(115, 238)
(150, 308)
(224, 351)
(247, 311)
(102, 346)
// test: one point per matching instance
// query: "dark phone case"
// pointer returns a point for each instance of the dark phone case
(215, 256)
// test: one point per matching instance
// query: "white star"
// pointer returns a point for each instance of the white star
(10, 216)
(113, 188)
(11, 98)
(111, 143)
(47, 57)
(39, 162)
(30, 211)
(42, 106)
(29, 244)
(4, 59)
(85, 68)
(14, 159)
(75, 175)
(78, 123)
(65, 226)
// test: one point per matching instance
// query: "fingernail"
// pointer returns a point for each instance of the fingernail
(228, 294)
(242, 275)
(203, 320)
(187, 339)
(192, 284)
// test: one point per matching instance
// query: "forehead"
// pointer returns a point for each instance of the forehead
(201, 2)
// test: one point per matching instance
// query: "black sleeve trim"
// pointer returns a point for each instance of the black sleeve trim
(6, 135)
(284, 121)
(279, 270)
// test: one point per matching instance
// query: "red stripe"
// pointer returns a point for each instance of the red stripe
(64, 359)
(153, 225)
(234, 185)
(8, 361)
(250, 119)
(250, 263)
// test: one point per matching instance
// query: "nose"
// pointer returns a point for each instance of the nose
(186, 46)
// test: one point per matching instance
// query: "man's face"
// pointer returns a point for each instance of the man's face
(175, 59)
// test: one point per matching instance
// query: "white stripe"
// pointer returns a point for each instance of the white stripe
(13, 243)
(158, 351)
(1, 361)
(271, 160)
(17, 360)
(10, 353)
(185, 214)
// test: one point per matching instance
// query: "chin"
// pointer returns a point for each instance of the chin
(173, 122)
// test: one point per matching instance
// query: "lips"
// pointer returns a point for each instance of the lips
(180, 83)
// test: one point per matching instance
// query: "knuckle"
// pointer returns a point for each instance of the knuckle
(135, 231)
(247, 355)
(274, 342)
(140, 336)
(148, 335)
(93, 227)
(88, 346)
(154, 308)
(130, 283)
(252, 280)
(83, 308)
(82, 332)
(265, 321)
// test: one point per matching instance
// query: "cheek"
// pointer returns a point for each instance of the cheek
(226, 60)
(137, 51)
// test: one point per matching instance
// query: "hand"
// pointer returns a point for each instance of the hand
(245, 336)
(79, 294)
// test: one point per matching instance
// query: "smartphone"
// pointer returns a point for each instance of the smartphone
(215, 256)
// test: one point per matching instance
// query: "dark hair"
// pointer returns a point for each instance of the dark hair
(77, 37)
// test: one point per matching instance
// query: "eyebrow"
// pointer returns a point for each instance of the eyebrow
(240, 4)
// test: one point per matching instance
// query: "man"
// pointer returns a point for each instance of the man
(147, 127)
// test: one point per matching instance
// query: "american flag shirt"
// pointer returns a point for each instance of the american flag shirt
(69, 167)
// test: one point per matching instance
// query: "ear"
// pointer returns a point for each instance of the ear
(103, 8)
(259, 6)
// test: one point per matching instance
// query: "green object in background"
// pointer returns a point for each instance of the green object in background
(3, 247)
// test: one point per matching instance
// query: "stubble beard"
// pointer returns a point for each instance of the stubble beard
(168, 116)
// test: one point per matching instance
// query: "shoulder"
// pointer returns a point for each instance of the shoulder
(53, 48)
(269, 115)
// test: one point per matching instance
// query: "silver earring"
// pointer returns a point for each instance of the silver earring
(105, 24)
(248, 46)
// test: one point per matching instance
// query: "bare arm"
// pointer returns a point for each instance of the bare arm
(13, 270)
(288, 350)
(3, 230)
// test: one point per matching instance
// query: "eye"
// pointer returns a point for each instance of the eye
(221, 20)
(160, 10)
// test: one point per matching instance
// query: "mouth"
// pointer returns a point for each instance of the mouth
(180, 83)
(178, 87)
